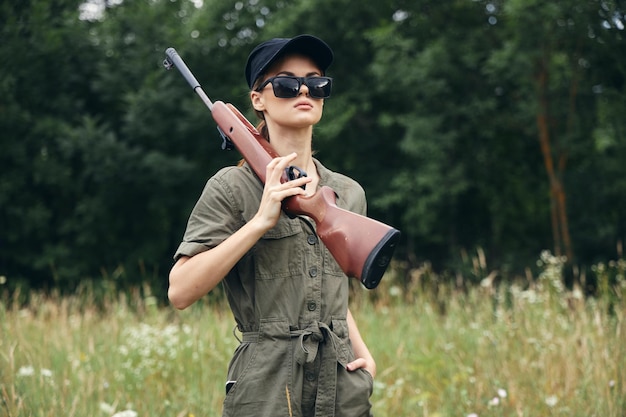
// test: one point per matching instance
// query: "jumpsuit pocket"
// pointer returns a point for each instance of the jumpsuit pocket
(260, 374)
(369, 378)
(354, 389)
(278, 254)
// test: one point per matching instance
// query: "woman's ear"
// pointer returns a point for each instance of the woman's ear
(257, 100)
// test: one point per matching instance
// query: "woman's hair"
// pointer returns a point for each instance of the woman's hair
(262, 125)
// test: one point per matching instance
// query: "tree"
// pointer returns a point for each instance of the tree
(450, 114)
(455, 178)
(553, 64)
(43, 89)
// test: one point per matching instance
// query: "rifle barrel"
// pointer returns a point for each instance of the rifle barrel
(174, 60)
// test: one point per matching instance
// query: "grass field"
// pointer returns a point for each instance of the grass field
(490, 350)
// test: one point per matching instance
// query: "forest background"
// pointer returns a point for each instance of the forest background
(475, 126)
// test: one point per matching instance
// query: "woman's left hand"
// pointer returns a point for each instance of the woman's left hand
(359, 363)
(364, 359)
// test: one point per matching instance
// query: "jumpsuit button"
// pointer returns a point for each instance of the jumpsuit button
(310, 376)
(313, 272)
(311, 239)
(311, 306)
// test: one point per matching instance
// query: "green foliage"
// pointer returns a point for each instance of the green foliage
(45, 90)
(434, 111)
(462, 160)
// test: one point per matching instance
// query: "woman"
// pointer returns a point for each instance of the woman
(301, 353)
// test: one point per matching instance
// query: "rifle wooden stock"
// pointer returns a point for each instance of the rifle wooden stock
(362, 247)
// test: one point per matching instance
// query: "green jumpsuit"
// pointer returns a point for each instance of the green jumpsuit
(289, 299)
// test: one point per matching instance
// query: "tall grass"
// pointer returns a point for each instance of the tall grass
(488, 350)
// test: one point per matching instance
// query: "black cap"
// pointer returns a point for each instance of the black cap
(267, 52)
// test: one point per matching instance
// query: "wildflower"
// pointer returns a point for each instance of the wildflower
(125, 413)
(577, 294)
(107, 408)
(472, 415)
(395, 291)
(611, 383)
(552, 400)
(494, 401)
(502, 393)
(46, 372)
(26, 371)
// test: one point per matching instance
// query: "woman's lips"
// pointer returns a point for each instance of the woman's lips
(303, 104)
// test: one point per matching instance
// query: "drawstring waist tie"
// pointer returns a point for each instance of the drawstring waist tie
(335, 351)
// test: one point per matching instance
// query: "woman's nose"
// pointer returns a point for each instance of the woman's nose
(304, 90)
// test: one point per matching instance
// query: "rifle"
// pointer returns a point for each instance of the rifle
(362, 247)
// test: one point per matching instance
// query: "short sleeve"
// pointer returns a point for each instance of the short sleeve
(213, 219)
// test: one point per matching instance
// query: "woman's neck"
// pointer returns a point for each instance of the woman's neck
(286, 141)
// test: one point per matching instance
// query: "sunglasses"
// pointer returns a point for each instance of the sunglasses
(285, 86)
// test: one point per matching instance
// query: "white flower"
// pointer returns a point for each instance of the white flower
(502, 393)
(472, 415)
(26, 371)
(46, 372)
(395, 291)
(107, 408)
(494, 401)
(552, 400)
(125, 413)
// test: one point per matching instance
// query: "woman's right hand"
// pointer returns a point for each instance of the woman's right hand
(276, 191)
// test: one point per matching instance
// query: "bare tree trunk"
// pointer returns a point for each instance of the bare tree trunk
(558, 200)
(544, 142)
